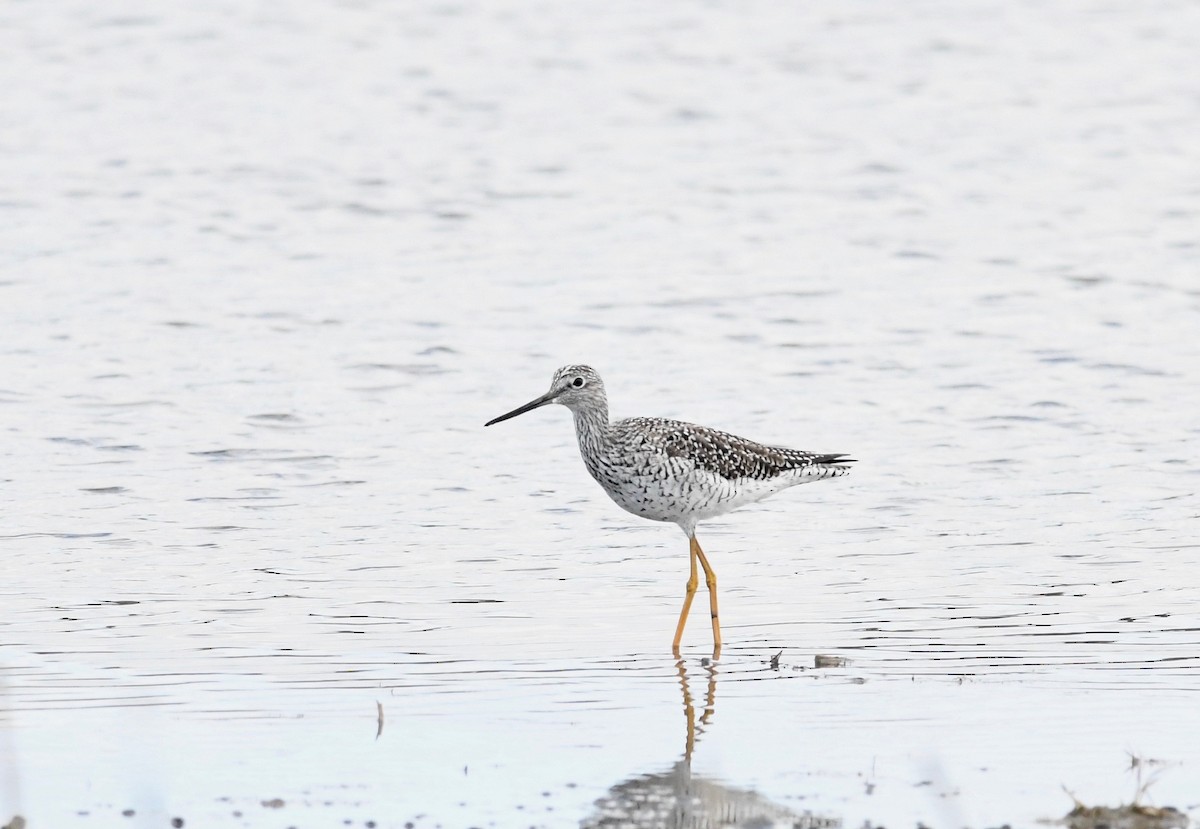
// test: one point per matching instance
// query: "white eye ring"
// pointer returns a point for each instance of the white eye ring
(577, 382)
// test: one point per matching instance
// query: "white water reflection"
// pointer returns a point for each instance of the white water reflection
(265, 273)
(557, 742)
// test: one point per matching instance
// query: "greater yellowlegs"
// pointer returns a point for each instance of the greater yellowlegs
(668, 470)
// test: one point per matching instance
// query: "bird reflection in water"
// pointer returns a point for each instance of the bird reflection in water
(678, 799)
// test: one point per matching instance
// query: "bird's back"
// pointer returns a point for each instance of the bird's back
(670, 470)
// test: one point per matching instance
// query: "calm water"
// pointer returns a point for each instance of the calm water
(266, 270)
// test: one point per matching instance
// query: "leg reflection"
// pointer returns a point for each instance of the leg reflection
(689, 708)
(674, 798)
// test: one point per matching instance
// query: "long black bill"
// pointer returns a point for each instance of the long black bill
(528, 407)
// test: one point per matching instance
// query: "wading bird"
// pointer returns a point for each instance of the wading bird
(668, 470)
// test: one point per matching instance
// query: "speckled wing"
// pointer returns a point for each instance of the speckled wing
(736, 458)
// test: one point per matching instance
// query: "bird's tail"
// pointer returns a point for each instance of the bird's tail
(838, 459)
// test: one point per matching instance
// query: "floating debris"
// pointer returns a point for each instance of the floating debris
(1133, 816)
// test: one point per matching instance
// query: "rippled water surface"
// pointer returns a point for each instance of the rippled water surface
(266, 269)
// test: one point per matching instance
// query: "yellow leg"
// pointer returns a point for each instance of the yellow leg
(710, 578)
(692, 584)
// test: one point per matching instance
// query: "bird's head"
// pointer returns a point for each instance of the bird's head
(576, 387)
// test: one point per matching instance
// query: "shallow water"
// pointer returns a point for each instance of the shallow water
(266, 271)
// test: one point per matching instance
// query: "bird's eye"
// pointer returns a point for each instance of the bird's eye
(577, 382)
